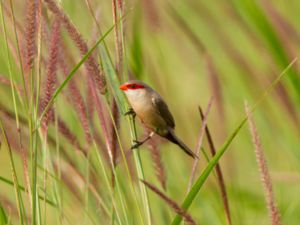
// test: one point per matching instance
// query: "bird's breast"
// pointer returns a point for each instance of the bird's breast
(149, 116)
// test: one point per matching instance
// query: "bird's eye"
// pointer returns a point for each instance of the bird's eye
(133, 86)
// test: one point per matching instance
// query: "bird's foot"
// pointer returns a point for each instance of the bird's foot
(137, 144)
(130, 112)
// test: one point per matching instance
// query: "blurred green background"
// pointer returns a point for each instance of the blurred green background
(188, 51)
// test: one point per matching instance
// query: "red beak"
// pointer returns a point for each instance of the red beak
(123, 87)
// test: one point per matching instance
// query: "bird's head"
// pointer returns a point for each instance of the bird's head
(134, 88)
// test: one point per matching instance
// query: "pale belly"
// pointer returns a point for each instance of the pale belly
(150, 118)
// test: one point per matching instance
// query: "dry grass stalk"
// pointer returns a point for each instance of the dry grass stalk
(96, 31)
(51, 73)
(187, 218)
(264, 172)
(74, 93)
(90, 64)
(19, 52)
(94, 73)
(118, 36)
(21, 34)
(31, 32)
(219, 173)
(158, 165)
(21, 39)
(102, 118)
(121, 4)
(199, 143)
(114, 126)
(90, 106)
(77, 101)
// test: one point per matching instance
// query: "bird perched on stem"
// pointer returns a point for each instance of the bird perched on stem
(149, 106)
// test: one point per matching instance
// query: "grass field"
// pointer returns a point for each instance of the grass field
(65, 143)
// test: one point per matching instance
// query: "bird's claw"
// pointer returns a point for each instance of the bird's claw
(137, 144)
(130, 112)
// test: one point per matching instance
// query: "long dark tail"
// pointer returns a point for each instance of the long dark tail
(173, 138)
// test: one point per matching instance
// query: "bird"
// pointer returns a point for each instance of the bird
(152, 110)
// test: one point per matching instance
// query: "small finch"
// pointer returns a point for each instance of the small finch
(152, 110)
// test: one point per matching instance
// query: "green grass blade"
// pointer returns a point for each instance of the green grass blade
(121, 102)
(9, 67)
(123, 105)
(209, 168)
(251, 11)
(73, 72)
(112, 77)
(14, 175)
(200, 181)
(19, 53)
(3, 217)
(11, 183)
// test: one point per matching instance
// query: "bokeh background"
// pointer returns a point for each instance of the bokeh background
(190, 52)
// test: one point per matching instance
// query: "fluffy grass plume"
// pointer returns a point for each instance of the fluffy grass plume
(91, 64)
(264, 171)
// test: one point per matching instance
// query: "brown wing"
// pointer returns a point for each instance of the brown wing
(163, 110)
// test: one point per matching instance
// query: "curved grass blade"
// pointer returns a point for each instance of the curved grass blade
(252, 13)
(9, 182)
(72, 73)
(202, 178)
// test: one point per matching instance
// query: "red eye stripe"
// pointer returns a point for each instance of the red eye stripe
(135, 86)
(132, 86)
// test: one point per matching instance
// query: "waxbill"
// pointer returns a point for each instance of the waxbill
(153, 112)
